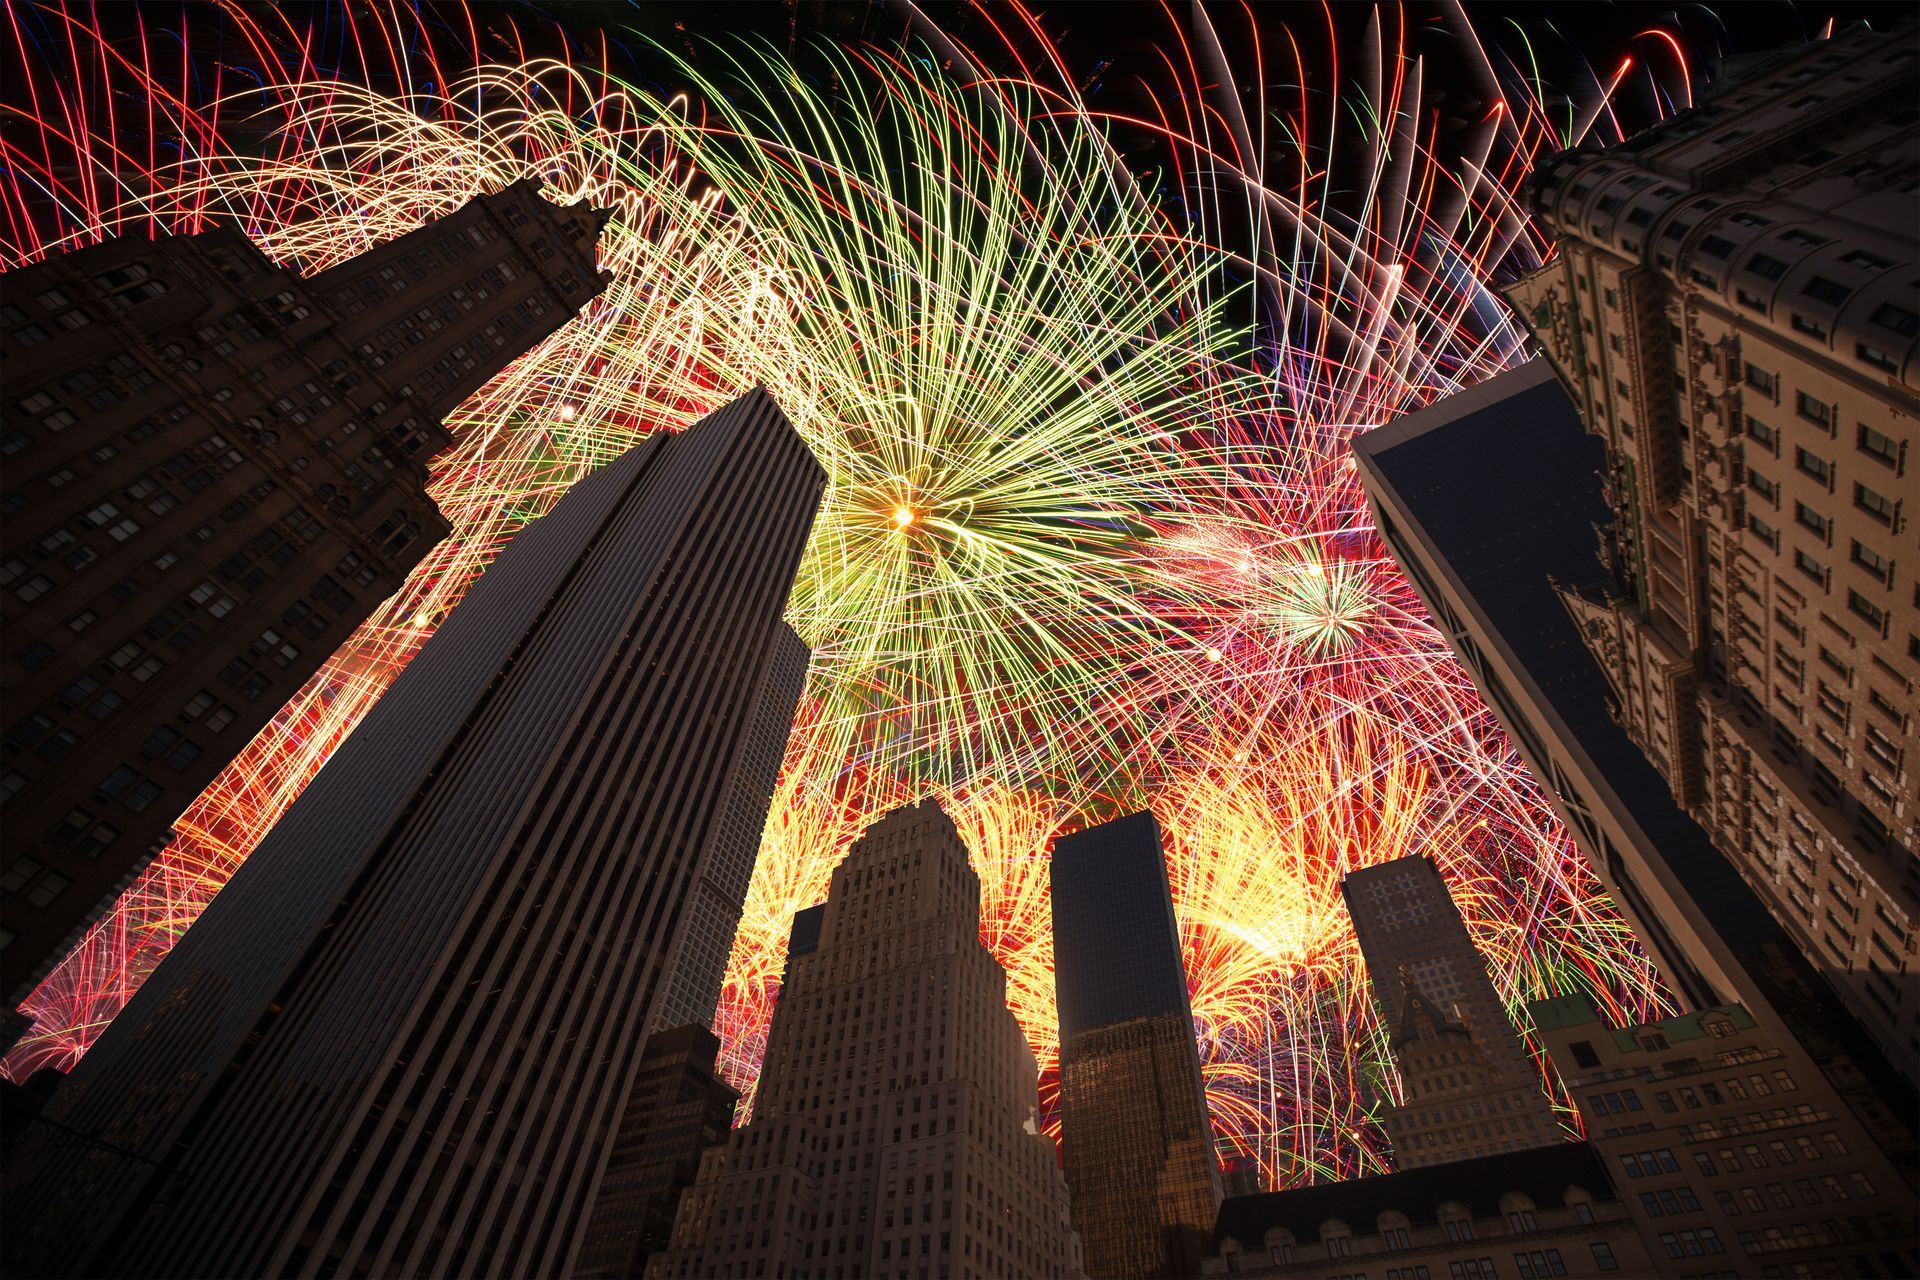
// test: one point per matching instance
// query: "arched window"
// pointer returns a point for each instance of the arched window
(1279, 1243)
(1337, 1237)
(1394, 1229)
(129, 285)
(1518, 1211)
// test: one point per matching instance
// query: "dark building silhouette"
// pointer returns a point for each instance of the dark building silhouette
(1489, 500)
(215, 470)
(1137, 1140)
(1537, 1213)
(401, 1041)
(678, 1108)
(895, 1130)
(1469, 1086)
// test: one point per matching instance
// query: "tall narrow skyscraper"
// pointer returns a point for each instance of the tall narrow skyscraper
(1469, 1087)
(399, 1043)
(1138, 1142)
(895, 1130)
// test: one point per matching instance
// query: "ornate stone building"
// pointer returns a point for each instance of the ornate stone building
(1734, 1154)
(894, 1133)
(215, 470)
(1733, 307)
(1468, 1086)
(1548, 1211)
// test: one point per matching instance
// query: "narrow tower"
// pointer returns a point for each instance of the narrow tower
(895, 1130)
(1133, 1108)
(400, 1042)
(1470, 1087)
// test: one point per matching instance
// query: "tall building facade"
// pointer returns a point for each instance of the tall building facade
(1735, 1157)
(678, 1108)
(1733, 307)
(428, 985)
(1534, 1214)
(1136, 1137)
(1488, 499)
(215, 470)
(700, 963)
(1468, 1085)
(895, 1127)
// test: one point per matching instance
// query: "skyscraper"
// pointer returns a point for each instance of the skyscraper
(677, 1109)
(1469, 1086)
(894, 1133)
(700, 963)
(1733, 308)
(1489, 499)
(215, 470)
(400, 1041)
(1134, 1128)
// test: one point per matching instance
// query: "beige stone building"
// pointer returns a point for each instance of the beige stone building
(895, 1130)
(1468, 1085)
(1734, 1155)
(1733, 307)
(1550, 1211)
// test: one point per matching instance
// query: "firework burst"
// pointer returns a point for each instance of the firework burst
(1092, 538)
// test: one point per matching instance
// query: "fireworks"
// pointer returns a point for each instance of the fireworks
(1092, 539)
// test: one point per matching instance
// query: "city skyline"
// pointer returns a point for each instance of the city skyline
(1100, 370)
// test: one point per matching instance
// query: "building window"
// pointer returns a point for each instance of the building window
(1878, 446)
(1814, 465)
(1811, 567)
(1874, 356)
(1812, 519)
(1831, 292)
(1759, 379)
(1877, 505)
(1897, 318)
(1872, 561)
(1867, 609)
(1765, 267)
(1818, 411)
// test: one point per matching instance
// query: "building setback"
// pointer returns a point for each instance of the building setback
(1548, 1211)
(1469, 1086)
(400, 1042)
(1733, 307)
(678, 1108)
(1735, 1157)
(215, 470)
(895, 1129)
(1136, 1136)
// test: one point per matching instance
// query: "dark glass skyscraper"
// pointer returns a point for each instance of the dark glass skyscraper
(400, 1042)
(1140, 1162)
